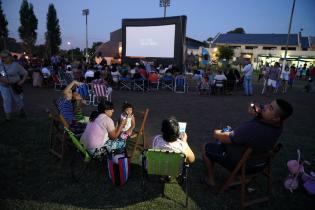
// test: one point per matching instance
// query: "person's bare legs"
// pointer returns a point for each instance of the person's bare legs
(210, 167)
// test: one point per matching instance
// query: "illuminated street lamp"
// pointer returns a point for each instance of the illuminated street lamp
(85, 13)
(69, 43)
(165, 3)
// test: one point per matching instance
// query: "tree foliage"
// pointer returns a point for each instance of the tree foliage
(239, 30)
(94, 47)
(3, 28)
(53, 35)
(27, 30)
(225, 52)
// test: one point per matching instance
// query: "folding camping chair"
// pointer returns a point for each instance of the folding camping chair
(139, 84)
(101, 91)
(165, 163)
(57, 137)
(82, 158)
(167, 82)
(246, 171)
(85, 93)
(134, 142)
(219, 85)
(180, 84)
(58, 83)
(153, 81)
(125, 83)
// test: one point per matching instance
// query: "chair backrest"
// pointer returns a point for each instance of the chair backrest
(219, 83)
(139, 133)
(100, 90)
(153, 77)
(164, 163)
(144, 120)
(83, 90)
(80, 147)
(180, 81)
(261, 160)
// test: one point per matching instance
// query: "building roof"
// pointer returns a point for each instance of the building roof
(257, 39)
(108, 49)
(304, 43)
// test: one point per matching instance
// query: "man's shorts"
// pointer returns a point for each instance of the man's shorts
(272, 83)
(216, 152)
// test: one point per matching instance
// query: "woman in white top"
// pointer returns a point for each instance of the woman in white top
(171, 140)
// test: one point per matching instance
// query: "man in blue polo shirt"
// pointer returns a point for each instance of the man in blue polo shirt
(261, 134)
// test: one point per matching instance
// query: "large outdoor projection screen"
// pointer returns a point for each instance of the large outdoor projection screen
(157, 39)
(150, 41)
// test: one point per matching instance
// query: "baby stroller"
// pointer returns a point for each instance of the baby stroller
(296, 168)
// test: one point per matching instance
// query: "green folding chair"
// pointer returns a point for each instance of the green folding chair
(78, 167)
(165, 163)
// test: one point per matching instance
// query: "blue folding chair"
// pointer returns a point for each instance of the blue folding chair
(167, 82)
(180, 84)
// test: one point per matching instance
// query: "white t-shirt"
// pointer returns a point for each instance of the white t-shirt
(177, 146)
(220, 77)
(284, 75)
(89, 73)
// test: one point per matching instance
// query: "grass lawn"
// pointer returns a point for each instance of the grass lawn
(31, 178)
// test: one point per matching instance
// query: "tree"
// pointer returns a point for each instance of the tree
(210, 39)
(3, 28)
(14, 46)
(237, 31)
(225, 52)
(27, 30)
(52, 36)
(94, 47)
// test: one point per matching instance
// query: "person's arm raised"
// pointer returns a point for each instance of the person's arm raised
(68, 90)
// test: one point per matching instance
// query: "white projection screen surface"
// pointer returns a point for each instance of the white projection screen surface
(150, 41)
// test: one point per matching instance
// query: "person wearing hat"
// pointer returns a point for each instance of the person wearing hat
(11, 74)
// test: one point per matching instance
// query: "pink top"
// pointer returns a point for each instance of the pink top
(96, 133)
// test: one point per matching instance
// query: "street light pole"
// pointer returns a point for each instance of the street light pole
(288, 38)
(86, 13)
(165, 3)
(71, 48)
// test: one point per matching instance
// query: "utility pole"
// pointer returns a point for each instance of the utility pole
(165, 3)
(71, 48)
(288, 38)
(85, 13)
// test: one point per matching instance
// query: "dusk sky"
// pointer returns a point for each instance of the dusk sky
(205, 18)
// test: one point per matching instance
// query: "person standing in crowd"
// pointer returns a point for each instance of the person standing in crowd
(12, 77)
(284, 79)
(292, 75)
(248, 72)
(273, 78)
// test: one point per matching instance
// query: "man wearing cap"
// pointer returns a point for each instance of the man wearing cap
(11, 73)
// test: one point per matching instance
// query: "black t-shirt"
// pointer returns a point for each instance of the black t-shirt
(258, 135)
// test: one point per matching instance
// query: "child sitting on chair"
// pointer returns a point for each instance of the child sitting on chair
(127, 114)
